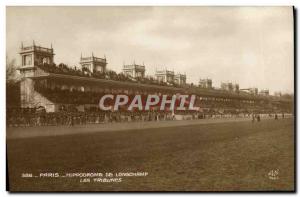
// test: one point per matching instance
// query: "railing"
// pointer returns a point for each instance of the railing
(99, 59)
(27, 48)
(96, 59)
(165, 72)
(37, 48)
(86, 58)
(134, 66)
(43, 49)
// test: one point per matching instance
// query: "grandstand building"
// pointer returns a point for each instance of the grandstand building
(59, 87)
(264, 92)
(33, 55)
(231, 87)
(134, 70)
(205, 83)
(278, 94)
(236, 88)
(180, 79)
(93, 64)
(253, 91)
(166, 76)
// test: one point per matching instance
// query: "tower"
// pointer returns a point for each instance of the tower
(93, 64)
(166, 76)
(134, 70)
(31, 57)
(205, 83)
(180, 79)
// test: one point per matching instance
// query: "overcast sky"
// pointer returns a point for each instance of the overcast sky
(252, 46)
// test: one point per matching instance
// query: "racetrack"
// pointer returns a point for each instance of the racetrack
(39, 131)
(230, 156)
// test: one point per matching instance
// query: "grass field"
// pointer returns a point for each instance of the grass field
(234, 156)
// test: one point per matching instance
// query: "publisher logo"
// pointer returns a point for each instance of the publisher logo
(274, 174)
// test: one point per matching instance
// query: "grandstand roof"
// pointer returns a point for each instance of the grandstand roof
(139, 85)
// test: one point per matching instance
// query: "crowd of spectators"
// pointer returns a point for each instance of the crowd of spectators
(25, 117)
(33, 117)
(108, 74)
(112, 75)
(77, 97)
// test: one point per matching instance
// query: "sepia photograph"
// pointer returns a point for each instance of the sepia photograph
(150, 99)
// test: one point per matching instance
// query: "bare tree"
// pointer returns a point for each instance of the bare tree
(11, 71)
(12, 84)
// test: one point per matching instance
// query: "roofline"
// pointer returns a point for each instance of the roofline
(202, 92)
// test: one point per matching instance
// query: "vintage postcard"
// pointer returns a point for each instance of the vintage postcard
(150, 98)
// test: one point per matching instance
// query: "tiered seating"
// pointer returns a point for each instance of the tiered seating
(111, 75)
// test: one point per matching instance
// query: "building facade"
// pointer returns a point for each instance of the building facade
(165, 76)
(93, 64)
(264, 92)
(253, 91)
(52, 87)
(31, 57)
(180, 79)
(205, 83)
(34, 55)
(134, 70)
(230, 87)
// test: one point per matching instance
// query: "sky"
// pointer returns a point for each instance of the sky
(251, 46)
